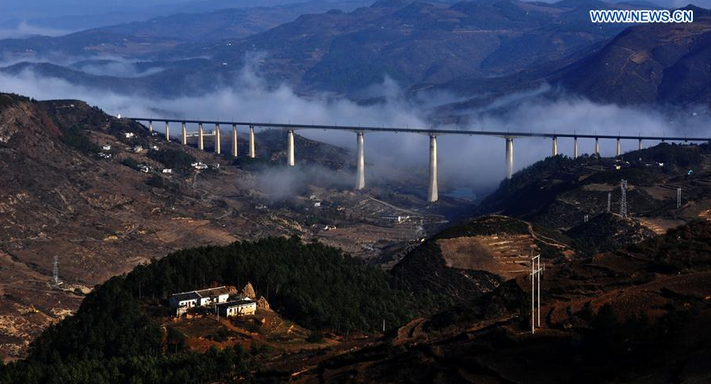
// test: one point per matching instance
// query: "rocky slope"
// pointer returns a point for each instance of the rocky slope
(559, 192)
(663, 64)
(627, 317)
(64, 195)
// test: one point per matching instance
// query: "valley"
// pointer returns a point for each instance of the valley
(352, 191)
(102, 217)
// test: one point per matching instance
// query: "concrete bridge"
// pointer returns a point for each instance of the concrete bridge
(432, 192)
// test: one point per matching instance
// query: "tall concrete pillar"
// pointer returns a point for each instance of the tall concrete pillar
(575, 148)
(150, 126)
(619, 147)
(201, 137)
(432, 191)
(234, 140)
(360, 175)
(218, 141)
(555, 146)
(184, 134)
(167, 131)
(252, 152)
(290, 149)
(639, 147)
(597, 147)
(509, 157)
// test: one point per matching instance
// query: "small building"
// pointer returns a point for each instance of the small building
(106, 147)
(129, 135)
(199, 165)
(167, 170)
(237, 308)
(183, 301)
(213, 296)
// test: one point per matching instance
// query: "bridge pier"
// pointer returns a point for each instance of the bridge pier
(597, 147)
(234, 140)
(619, 147)
(432, 190)
(509, 157)
(639, 147)
(167, 131)
(201, 137)
(218, 142)
(252, 153)
(290, 149)
(360, 175)
(575, 148)
(184, 134)
(555, 146)
(150, 126)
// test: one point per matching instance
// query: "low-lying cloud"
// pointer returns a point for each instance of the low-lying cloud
(473, 161)
(25, 29)
(116, 68)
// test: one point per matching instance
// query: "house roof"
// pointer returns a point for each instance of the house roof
(210, 292)
(236, 303)
(185, 296)
(194, 295)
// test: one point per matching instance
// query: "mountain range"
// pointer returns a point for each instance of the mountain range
(474, 50)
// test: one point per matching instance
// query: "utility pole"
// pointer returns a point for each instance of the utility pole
(623, 198)
(536, 273)
(586, 218)
(55, 271)
(609, 202)
(678, 197)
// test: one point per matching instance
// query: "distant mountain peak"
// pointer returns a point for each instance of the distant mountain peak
(390, 4)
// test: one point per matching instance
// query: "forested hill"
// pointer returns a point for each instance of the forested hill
(115, 335)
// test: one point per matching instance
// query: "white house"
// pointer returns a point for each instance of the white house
(237, 308)
(183, 301)
(199, 165)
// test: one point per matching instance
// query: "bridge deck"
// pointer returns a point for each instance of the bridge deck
(432, 132)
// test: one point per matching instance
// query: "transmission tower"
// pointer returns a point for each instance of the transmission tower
(623, 198)
(678, 197)
(536, 273)
(55, 271)
(609, 202)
